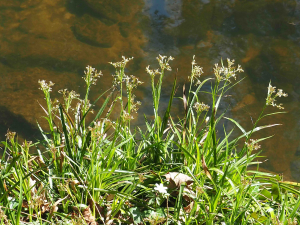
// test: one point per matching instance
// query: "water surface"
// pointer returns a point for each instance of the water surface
(55, 39)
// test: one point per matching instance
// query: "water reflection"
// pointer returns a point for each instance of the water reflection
(56, 39)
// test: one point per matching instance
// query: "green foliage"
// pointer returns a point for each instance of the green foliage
(172, 172)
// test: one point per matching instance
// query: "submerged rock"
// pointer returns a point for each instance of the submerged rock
(112, 10)
(92, 31)
(125, 29)
(247, 100)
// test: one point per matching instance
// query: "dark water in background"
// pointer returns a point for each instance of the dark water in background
(55, 39)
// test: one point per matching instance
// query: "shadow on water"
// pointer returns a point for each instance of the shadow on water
(53, 64)
(17, 123)
(88, 41)
(80, 7)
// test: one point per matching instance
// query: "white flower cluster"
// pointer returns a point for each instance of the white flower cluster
(152, 73)
(91, 75)
(98, 131)
(45, 87)
(272, 95)
(120, 76)
(126, 116)
(134, 106)
(10, 135)
(69, 94)
(121, 64)
(200, 107)
(252, 145)
(164, 62)
(225, 73)
(132, 82)
(197, 71)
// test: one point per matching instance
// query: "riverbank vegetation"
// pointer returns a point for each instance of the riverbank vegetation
(104, 170)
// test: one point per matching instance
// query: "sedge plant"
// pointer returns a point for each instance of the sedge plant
(100, 169)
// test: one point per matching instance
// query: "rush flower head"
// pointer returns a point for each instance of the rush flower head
(164, 62)
(69, 94)
(119, 76)
(252, 145)
(91, 75)
(152, 73)
(45, 87)
(68, 97)
(272, 95)
(197, 71)
(126, 116)
(134, 105)
(200, 107)
(225, 73)
(10, 135)
(132, 82)
(122, 63)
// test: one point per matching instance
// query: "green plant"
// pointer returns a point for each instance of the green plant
(172, 172)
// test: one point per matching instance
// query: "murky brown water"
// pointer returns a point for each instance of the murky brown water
(55, 39)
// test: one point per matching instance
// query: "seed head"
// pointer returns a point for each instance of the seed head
(225, 73)
(44, 86)
(200, 107)
(121, 64)
(197, 71)
(272, 95)
(164, 62)
(91, 75)
(252, 145)
(132, 82)
(126, 116)
(152, 73)
(10, 135)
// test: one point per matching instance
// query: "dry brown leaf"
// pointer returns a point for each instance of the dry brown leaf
(110, 197)
(25, 204)
(88, 217)
(100, 211)
(188, 194)
(189, 208)
(205, 168)
(176, 179)
(54, 207)
(108, 219)
(4, 185)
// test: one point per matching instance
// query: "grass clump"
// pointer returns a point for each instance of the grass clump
(172, 172)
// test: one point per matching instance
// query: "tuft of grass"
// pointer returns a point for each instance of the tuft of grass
(172, 172)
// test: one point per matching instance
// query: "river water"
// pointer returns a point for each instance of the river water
(56, 39)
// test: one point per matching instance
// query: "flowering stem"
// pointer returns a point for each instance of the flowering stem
(254, 126)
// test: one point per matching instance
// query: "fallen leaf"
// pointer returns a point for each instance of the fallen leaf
(176, 179)
(189, 208)
(100, 211)
(110, 197)
(188, 194)
(88, 217)
(205, 168)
